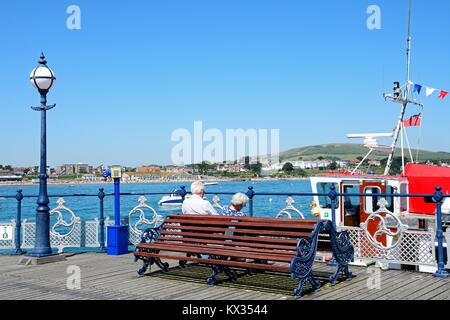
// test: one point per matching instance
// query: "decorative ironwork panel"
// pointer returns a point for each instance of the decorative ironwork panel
(413, 248)
(384, 238)
(65, 233)
(289, 210)
(136, 229)
(8, 235)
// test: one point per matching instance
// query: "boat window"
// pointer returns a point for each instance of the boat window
(351, 203)
(370, 202)
(390, 200)
(324, 201)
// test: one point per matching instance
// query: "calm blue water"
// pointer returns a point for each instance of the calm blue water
(87, 208)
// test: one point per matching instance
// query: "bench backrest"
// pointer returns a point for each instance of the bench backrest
(258, 233)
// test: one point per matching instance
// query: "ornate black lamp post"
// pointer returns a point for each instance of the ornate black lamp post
(43, 79)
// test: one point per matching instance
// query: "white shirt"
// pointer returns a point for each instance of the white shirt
(197, 205)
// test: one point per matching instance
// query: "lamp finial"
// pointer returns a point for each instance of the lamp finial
(42, 60)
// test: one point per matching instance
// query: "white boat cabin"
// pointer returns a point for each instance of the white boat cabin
(351, 211)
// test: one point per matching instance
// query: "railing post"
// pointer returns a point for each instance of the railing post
(19, 197)
(101, 196)
(333, 197)
(250, 194)
(438, 197)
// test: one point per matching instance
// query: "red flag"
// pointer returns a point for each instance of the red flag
(414, 121)
(443, 94)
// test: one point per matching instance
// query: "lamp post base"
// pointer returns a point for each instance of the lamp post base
(441, 274)
(34, 261)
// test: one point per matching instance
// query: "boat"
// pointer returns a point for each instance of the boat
(211, 183)
(367, 213)
(172, 200)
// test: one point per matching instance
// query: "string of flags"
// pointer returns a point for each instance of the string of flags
(428, 90)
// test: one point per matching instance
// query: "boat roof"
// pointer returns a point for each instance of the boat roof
(422, 170)
(411, 171)
(349, 176)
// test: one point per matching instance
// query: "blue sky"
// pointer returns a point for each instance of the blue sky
(138, 70)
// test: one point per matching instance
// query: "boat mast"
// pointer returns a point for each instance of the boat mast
(405, 100)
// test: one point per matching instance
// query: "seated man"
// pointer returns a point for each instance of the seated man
(238, 202)
(196, 204)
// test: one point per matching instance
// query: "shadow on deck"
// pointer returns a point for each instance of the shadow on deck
(262, 281)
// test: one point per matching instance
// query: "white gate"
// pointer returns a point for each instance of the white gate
(414, 248)
(401, 246)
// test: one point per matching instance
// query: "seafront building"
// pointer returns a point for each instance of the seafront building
(148, 169)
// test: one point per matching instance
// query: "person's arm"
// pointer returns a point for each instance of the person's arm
(184, 208)
(210, 209)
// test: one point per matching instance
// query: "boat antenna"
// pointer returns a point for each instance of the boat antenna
(398, 97)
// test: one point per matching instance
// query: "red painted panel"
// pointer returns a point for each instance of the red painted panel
(423, 179)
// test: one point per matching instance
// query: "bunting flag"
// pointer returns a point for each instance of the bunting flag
(414, 121)
(428, 90)
(417, 88)
(443, 94)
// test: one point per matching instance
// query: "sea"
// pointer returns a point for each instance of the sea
(87, 208)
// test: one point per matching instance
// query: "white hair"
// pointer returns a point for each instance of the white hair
(197, 187)
(239, 199)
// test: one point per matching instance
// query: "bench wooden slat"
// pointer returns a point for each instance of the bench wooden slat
(220, 252)
(225, 246)
(233, 223)
(246, 219)
(237, 243)
(295, 234)
(323, 245)
(224, 237)
(221, 262)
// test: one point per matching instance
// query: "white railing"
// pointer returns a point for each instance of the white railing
(83, 234)
(289, 210)
(413, 248)
(392, 241)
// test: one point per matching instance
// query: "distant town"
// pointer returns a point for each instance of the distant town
(234, 170)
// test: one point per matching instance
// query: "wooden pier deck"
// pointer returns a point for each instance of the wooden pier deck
(114, 278)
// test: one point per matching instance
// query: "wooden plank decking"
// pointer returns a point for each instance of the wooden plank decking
(108, 278)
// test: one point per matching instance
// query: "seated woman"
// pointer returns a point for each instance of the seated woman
(238, 202)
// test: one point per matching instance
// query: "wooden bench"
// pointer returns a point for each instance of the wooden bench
(249, 243)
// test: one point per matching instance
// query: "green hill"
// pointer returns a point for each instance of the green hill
(349, 151)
